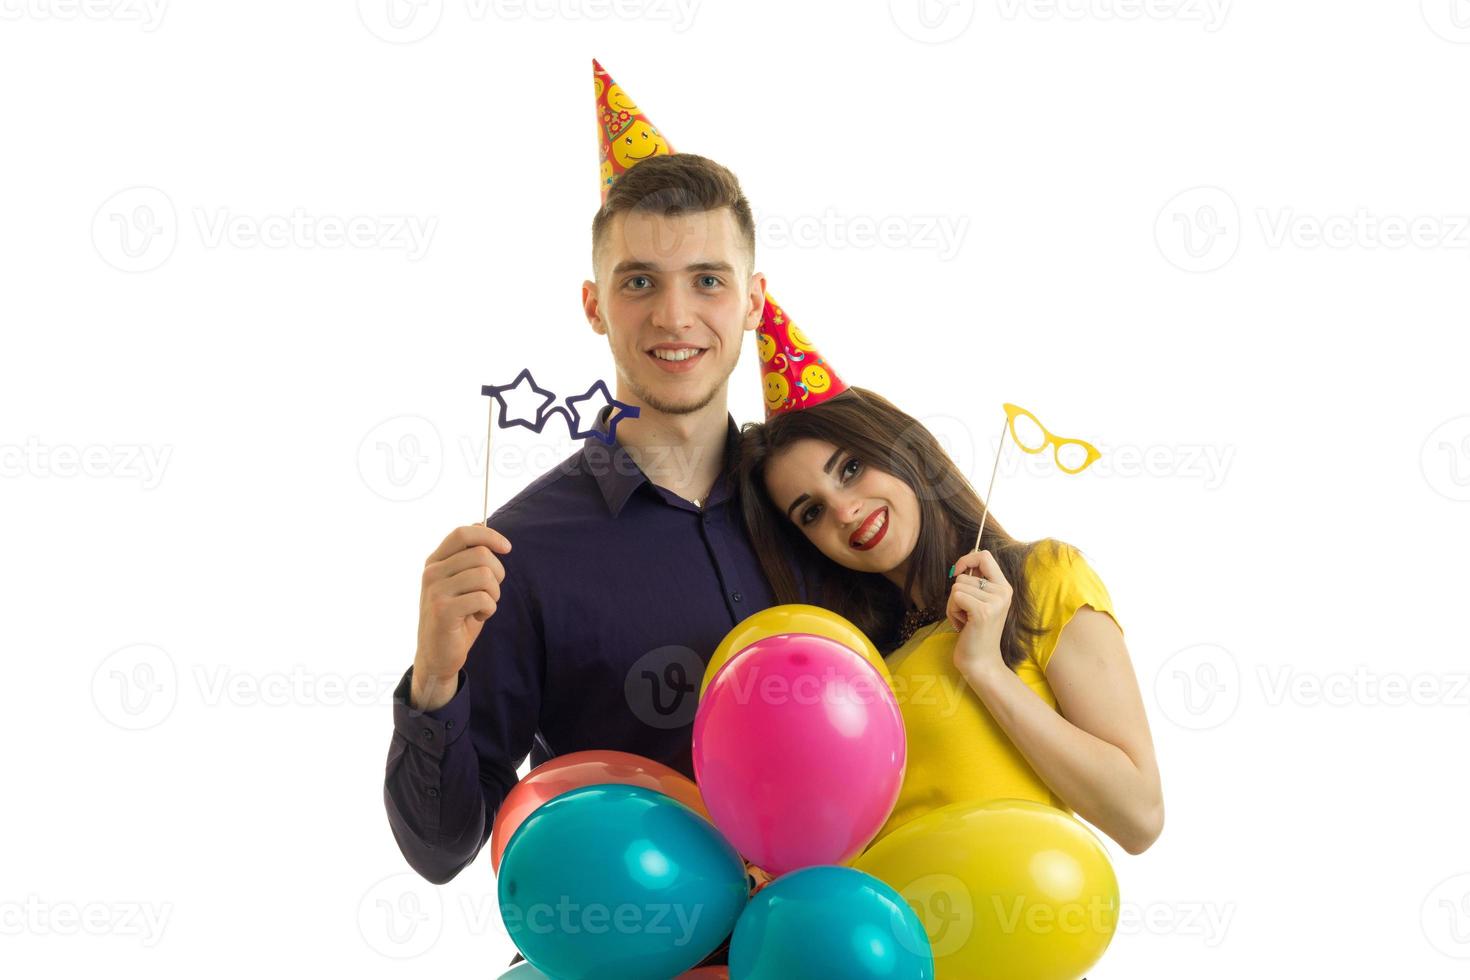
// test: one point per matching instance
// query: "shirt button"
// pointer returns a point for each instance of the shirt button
(736, 596)
(449, 724)
(428, 734)
(433, 792)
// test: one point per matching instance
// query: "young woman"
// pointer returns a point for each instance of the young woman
(1034, 697)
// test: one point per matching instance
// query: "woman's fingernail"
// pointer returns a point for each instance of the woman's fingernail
(951, 571)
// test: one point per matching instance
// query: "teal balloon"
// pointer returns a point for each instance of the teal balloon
(829, 921)
(523, 971)
(618, 882)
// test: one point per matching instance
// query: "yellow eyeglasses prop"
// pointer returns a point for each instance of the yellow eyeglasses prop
(1072, 455)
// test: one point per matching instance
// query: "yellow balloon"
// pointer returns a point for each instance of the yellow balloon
(1004, 888)
(793, 617)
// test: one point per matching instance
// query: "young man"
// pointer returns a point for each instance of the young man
(582, 616)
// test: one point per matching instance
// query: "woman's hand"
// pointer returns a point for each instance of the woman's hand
(978, 603)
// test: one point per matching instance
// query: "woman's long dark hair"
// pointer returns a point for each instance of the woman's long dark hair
(868, 426)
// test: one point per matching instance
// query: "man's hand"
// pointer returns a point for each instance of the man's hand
(460, 591)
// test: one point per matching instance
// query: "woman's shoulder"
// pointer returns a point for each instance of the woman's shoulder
(1060, 580)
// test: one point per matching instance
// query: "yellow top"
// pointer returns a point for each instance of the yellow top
(956, 750)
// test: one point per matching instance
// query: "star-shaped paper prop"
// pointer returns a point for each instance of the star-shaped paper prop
(525, 392)
(624, 411)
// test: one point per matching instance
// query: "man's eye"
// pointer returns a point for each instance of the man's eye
(639, 282)
(709, 282)
(810, 514)
(852, 468)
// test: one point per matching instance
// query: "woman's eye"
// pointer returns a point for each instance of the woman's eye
(852, 468)
(810, 514)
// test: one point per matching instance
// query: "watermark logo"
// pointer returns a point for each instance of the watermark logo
(147, 14)
(932, 21)
(401, 916)
(662, 687)
(136, 229)
(1450, 19)
(127, 461)
(401, 458)
(945, 908)
(1445, 917)
(400, 21)
(1445, 459)
(136, 687)
(145, 921)
(1199, 229)
(1198, 688)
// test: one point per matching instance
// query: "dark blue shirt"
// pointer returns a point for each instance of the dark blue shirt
(616, 593)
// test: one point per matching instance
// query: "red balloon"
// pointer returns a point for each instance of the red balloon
(576, 770)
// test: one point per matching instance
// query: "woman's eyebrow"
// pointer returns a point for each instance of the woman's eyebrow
(831, 462)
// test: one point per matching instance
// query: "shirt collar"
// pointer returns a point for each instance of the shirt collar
(617, 475)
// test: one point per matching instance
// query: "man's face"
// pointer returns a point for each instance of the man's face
(674, 296)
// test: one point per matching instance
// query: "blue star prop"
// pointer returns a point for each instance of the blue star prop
(624, 411)
(497, 392)
(568, 413)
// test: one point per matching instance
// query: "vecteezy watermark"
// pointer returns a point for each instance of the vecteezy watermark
(1210, 14)
(137, 687)
(1361, 686)
(34, 916)
(147, 14)
(932, 21)
(401, 916)
(1207, 464)
(123, 461)
(566, 917)
(1450, 19)
(1362, 229)
(401, 458)
(1445, 917)
(407, 21)
(1445, 459)
(1202, 687)
(942, 234)
(661, 688)
(1198, 230)
(221, 684)
(137, 230)
(1198, 688)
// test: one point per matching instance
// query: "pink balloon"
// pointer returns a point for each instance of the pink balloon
(799, 752)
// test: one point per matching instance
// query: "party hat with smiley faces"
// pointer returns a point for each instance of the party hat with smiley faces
(793, 375)
(624, 134)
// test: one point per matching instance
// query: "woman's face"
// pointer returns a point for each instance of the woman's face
(856, 514)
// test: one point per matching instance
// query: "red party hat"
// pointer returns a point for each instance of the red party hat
(793, 374)
(624, 134)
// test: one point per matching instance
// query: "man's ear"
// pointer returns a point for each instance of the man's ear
(757, 301)
(591, 308)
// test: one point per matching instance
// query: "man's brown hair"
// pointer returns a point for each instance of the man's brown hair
(673, 185)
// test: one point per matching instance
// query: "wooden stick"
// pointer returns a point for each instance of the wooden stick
(489, 431)
(993, 470)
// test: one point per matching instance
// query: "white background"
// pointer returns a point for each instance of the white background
(1226, 242)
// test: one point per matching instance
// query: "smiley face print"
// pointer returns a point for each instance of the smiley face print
(638, 142)
(816, 379)
(766, 344)
(776, 390)
(798, 339)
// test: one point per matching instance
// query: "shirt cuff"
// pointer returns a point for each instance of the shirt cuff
(433, 731)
